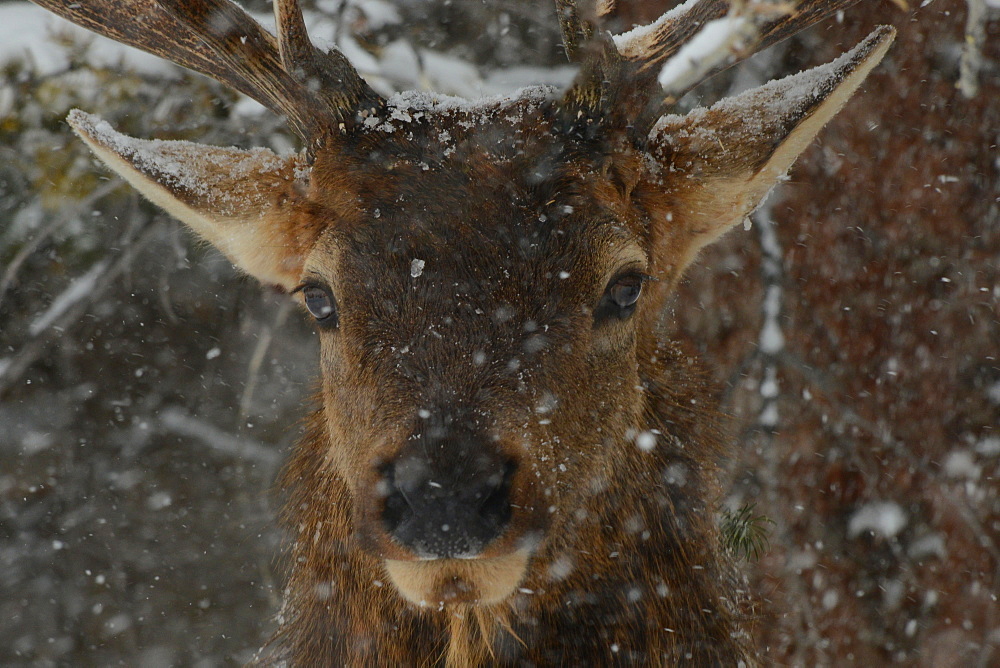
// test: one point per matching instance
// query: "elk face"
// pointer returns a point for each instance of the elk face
(482, 279)
(478, 339)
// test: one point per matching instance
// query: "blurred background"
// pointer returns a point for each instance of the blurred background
(149, 394)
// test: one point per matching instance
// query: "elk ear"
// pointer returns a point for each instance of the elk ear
(723, 161)
(248, 204)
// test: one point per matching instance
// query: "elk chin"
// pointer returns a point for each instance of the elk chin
(440, 582)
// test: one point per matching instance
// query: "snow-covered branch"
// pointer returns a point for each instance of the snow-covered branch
(181, 423)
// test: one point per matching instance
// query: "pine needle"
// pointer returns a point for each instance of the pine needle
(745, 534)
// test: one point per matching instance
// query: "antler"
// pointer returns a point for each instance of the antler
(619, 74)
(577, 26)
(219, 39)
(329, 75)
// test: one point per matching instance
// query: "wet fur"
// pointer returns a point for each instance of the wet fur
(662, 599)
(527, 207)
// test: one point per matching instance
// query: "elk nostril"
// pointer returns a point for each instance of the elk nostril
(446, 513)
(495, 508)
(396, 509)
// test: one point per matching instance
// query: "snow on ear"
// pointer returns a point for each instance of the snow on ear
(248, 204)
(716, 165)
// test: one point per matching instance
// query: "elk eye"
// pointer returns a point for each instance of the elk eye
(320, 304)
(625, 291)
(620, 298)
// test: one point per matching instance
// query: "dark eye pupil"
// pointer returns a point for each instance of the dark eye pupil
(320, 304)
(625, 291)
(619, 299)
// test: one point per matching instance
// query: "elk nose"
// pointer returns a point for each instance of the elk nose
(446, 512)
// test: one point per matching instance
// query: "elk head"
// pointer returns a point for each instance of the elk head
(485, 278)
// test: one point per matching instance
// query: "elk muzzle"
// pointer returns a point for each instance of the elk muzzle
(448, 510)
(450, 581)
(441, 509)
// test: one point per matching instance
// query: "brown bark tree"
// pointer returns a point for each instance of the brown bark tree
(872, 437)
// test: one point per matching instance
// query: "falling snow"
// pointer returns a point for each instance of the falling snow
(884, 518)
(150, 394)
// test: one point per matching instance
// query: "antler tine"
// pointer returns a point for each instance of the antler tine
(250, 53)
(805, 14)
(652, 44)
(149, 26)
(312, 89)
(770, 22)
(330, 75)
(316, 91)
(293, 38)
(639, 55)
(575, 31)
(569, 27)
(600, 60)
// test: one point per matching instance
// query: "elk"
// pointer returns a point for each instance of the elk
(508, 463)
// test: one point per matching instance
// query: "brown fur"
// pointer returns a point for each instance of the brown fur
(674, 578)
(498, 356)
(631, 568)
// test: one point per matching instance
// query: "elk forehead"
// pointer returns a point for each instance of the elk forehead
(507, 169)
(486, 226)
(490, 283)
